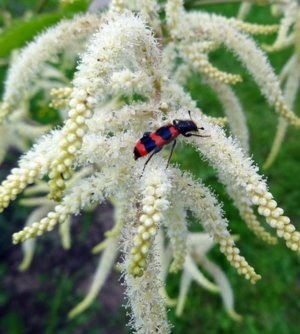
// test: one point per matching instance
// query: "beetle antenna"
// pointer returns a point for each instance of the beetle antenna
(202, 128)
(190, 114)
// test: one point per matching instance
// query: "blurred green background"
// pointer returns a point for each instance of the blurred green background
(38, 300)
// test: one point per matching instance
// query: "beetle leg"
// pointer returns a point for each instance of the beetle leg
(156, 150)
(146, 134)
(172, 149)
(194, 135)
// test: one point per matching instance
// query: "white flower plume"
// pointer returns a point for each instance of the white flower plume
(129, 81)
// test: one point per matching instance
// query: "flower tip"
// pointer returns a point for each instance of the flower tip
(267, 48)
(174, 268)
(214, 288)
(268, 163)
(171, 302)
(254, 279)
(15, 239)
(24, 265)
(99, 247)
(74, 312)
(233, 315)
(82, 306)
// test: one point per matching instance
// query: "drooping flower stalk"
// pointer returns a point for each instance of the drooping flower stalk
(234, 169)
(26, 67)
(210, 215)
(234, 112)
(105, 264)
(104, 57)
(290, 73)
(32, 166)
(29, 245)
(223, 31)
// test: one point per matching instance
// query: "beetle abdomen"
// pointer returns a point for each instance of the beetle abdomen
(156, 139)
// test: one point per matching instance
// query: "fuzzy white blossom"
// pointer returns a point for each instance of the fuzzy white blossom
(105, 55)
(223, 31)
(26, 67)
(32, 166)
(130, 80)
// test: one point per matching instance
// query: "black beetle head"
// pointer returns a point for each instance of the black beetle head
(185, 126)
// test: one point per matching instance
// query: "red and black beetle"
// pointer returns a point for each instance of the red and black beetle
(154, 141)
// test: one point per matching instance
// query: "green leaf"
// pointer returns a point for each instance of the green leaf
(22, 31)
(76, 6)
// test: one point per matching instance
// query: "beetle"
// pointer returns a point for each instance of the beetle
(155, 141)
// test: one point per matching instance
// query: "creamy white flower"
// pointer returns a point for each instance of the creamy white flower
(32, 166)
(236, 170)
(128, 82)
(188, 26)
(106, 54)
(26, 67)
